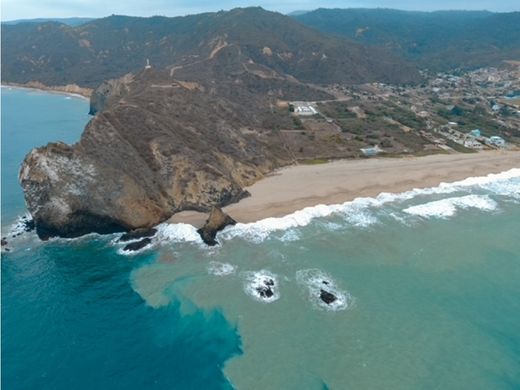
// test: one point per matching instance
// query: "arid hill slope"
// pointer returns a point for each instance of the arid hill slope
(163, 142)
(86, 55)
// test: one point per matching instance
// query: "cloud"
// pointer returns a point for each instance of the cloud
(22, 9)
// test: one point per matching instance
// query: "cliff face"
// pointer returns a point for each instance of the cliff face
(111, 89)
(70, 194)
(160, 145)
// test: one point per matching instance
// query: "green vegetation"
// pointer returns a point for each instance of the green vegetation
(297, 123)
(476, 117)
(337, 110)
(107, 48)
(314, 161)
(403, 116)
(458, 147)
(441, 40)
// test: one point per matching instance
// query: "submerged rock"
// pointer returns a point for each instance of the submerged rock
(138, 233)
(216, 221)
(135, 246)
(4, 245)
(327, 297)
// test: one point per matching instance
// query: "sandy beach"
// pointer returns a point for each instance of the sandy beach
(293, 188)
(79, 93)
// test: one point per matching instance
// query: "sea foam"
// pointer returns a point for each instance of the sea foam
(220, 269)
(318, 282)
(262, 285)
(362, 212)
(448, 207)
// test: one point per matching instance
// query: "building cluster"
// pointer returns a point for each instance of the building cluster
(304, 108)
(477, 110)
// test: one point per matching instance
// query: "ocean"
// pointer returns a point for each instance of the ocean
(425, 287)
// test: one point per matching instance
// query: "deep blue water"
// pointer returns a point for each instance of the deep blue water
(70, 319)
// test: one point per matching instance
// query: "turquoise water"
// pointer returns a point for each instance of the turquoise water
(70, 319)
(29, 119)
(427, 286)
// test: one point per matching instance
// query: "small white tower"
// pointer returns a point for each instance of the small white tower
(148, 66)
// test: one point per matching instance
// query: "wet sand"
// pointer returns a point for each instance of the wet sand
(296, 187)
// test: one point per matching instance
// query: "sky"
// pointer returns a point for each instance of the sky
(26, 9)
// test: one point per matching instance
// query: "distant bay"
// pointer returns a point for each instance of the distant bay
(32, 118)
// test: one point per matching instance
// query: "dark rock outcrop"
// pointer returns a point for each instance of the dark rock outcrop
(4, 245)
(29, 224)
(108, 90)
(137, 234)
(135, 246)
(327, 297)
(266, 291)
(216, 222)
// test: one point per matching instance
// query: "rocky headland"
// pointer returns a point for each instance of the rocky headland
(189, 132)
(162, 141)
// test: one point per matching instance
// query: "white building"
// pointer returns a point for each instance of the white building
(497, 141)
(303, 108)
(371, 151)
(473, 144)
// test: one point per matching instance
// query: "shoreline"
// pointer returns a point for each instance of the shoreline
(54, 90)
(293, 188)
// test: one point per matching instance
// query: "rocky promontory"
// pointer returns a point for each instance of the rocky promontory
(162, 141)
(216, 222)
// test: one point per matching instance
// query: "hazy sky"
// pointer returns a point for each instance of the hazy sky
(21, 9)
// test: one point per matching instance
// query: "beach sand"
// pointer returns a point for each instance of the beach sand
(296, 187)
(72, 91)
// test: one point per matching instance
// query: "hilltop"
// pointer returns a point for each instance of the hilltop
(67, 21)
(86, 55)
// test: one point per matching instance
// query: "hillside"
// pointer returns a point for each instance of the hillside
(163, 141)
(441, 40)
(57, 54)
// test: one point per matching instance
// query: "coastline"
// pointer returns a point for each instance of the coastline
(293, 188)
(67, 90)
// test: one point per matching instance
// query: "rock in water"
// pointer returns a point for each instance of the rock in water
(27, 223)
(138, 233)
(135, 246)
(327, 297)
(217, 221)
(4, 245)
(266, 291)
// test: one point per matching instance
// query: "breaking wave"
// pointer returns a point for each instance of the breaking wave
(448, 207)
(362, 212)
